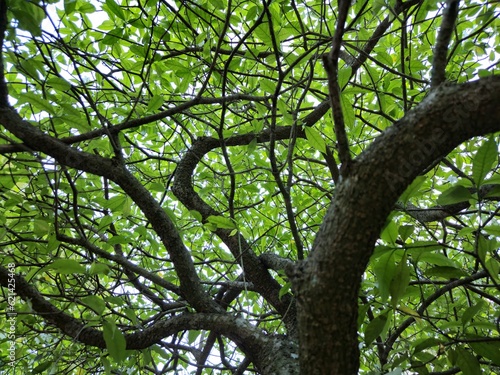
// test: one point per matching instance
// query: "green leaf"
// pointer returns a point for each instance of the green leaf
(262, 32)
(384, 268)
(138, 50)
(66, 267)
(95, 303)
(41, 227)
(77, 122)
(196, 215)
(29, 16)
(267, 86)
(284, 289)
(193, 336)
(131, 314)
(452, 356)
(493, 230)
(98, 268)
(467, 362)
(155, 103)
(86, 7)
(377, 6)
(41, 367)
(344, 76)
(437, 259)
(493, 268)
(472, 311)
(116, 203)
(375, 328)
(488, 349)
(427, 343)
(390, 232)
(105, 222)
(445, 272)
(38, 102)
(59, 83)
(483, 161)
(69, 6)
(412, 190)
(166, 355)
(221, 222)
(493, 192)
(115, 9)
(118, 240)
(405, 231)
(113, 37)
(455, 194)
(115, 341)
(315, 139)
(30, 67)
(347, 110)
(399, 282)
(384, 58)
(252, 146)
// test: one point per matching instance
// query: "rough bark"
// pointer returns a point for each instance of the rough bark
(327, 282)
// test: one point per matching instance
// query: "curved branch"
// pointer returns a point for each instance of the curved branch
(254, 269)
(34, 138)
(448, 116)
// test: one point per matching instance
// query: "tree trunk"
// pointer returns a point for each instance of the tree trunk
(327, 282)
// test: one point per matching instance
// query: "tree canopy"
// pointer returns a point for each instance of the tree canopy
(238, 187)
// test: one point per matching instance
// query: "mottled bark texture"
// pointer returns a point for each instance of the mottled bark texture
(327, 282)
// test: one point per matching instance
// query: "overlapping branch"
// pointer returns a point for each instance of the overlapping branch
(254, 270)
(249, 337)
(423, 307)
(163, 225)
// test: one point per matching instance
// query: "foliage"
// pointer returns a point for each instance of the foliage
(217, 108)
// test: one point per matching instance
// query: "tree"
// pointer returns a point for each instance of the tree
(177, 196)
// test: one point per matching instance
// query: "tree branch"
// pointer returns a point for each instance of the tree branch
(448, 116)
(190, 284)
(113, 130)
(440, 58)
(324, 106)
(331, 62)
(424, 305)
(250, 338)
(254, 269)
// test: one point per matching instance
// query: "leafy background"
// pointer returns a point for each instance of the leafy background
(214, 101)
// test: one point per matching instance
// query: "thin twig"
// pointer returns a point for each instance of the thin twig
(331, 62)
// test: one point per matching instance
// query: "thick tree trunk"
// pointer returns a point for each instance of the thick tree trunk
(327, 282)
